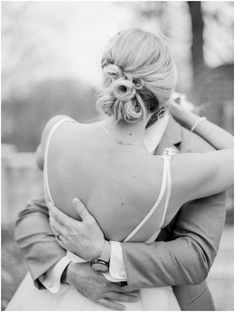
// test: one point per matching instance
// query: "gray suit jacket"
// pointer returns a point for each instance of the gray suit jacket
(181, 257)
(186, 248)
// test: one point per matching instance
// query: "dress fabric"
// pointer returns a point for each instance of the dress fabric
(28, 297)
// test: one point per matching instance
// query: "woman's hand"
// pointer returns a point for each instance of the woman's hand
(178, 105)
(182, 110)
(84, 238)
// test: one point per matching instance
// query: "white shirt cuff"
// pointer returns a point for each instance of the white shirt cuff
(51, 280)
(117, 269)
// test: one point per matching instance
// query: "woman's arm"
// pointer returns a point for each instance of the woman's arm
(213, 134)
(201, 175)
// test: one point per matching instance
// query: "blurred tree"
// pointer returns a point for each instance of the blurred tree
(218, 32)
(203, 16)
(23, 118)
(24, 49)
(197, 39)
(28, 100)
(14, 26)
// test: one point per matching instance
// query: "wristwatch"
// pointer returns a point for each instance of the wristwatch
(101, 264)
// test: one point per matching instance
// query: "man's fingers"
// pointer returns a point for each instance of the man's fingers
(122, 297)
(111, 305)
(60, 217)
(81, 209)
(135, 293)
(56, 227)
(51, 221)
(115, 287)
(60, 242)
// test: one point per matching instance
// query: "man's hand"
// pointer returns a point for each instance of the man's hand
(95, 287)
(84, 238)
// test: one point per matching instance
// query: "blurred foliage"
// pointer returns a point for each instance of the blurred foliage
(206, 19)
(26, 52)
(23, 118)
(13, 266)
(216, 93)
(199, 30)
(28, 103)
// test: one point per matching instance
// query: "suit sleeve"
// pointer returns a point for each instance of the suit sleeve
(188, 256)
(36, 240)
(192, 242)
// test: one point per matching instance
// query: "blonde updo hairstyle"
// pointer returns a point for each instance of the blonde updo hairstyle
(139, 75)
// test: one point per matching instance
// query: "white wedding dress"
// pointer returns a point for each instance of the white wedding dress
(29, 298)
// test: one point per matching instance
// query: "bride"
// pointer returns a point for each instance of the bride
(137, 193)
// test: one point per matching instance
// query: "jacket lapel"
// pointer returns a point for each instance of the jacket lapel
(172, 137)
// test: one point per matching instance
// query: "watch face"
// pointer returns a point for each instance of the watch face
(101, 267)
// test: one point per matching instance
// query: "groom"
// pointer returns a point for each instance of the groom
(181, 257)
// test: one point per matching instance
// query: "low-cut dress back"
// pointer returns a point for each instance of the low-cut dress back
(154, 299)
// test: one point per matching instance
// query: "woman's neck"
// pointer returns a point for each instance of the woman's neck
(129, 133)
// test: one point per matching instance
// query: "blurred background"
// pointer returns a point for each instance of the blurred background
(51, 55)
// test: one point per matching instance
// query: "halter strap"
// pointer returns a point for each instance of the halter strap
(165, 184)
(47, 192)
(169, 182)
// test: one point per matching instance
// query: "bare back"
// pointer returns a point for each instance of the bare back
(119, 184)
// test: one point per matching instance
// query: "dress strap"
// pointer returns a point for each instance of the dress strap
(47, 192)
(167, 159)
(169, 183)
(162, 191)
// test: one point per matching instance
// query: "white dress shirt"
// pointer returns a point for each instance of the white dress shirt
(117, 269)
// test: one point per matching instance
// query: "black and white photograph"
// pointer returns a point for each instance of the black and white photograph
(117, 155)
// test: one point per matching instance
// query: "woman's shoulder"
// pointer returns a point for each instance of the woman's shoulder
(50, 124)
(53, 122)
(45, 133)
